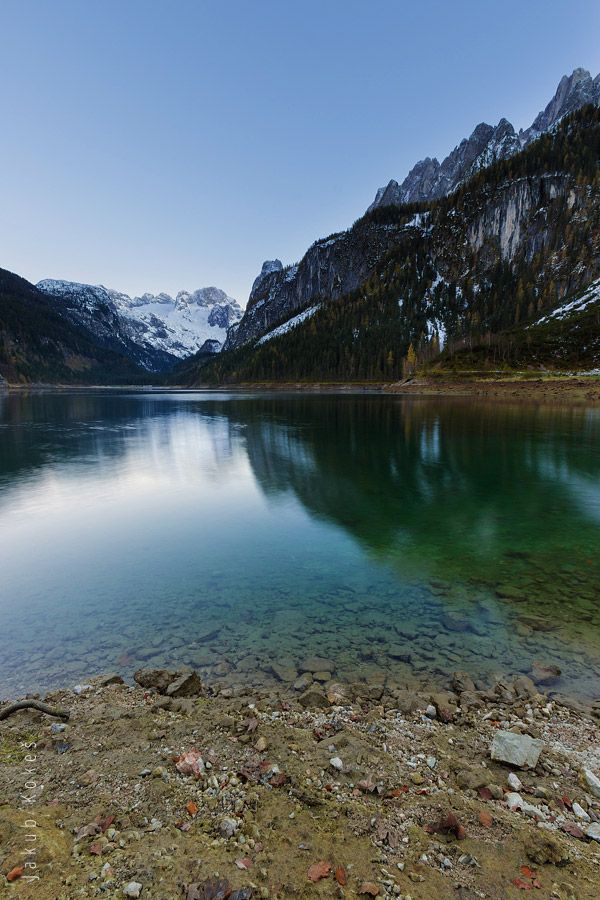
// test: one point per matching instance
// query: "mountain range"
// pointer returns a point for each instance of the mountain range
(504, 230)
(430, 179)
(492, 255)
(149, 334)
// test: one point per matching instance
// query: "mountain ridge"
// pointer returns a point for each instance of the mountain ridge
(157, 330)
(429, 179)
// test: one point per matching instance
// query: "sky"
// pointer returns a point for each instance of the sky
(161, 145)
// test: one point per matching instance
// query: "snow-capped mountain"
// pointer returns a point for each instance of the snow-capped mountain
(429, 179)
(155, 329)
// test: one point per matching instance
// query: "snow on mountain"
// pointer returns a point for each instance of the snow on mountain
(289, 325)
(429, 179)
(155, 329)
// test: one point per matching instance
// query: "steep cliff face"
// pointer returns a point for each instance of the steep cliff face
(331, 268)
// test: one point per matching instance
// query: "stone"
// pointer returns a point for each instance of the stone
(155, 679)
(228, 827)
(430, 711)
(462, 681)
(284, 673)
(516, 749)
(133, 889)
(106, 680)
(580, 812)
(543, 674)
(593, 831)
(408, 701)
(591, 782)
(324, 677)
(445, 706)
(524, 687)
(472, 778)
(516, 803)
(313, 698)
(316, 664)
(261, 744)
(302, 683)
(338, 694)
(187, 685)
(336, 763)
(514, 782)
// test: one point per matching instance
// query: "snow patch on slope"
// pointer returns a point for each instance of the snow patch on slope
(585, 299)
(289, 325)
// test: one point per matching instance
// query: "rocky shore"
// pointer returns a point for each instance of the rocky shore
(169, 789)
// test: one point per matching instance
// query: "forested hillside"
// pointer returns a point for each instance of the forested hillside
(37, 344)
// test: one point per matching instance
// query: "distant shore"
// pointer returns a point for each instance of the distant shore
(578, 389)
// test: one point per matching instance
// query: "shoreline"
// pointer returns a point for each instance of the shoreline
(161, 786)
(555, 388)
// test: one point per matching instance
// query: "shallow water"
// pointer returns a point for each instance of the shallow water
(396, 538)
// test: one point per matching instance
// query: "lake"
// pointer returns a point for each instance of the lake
(397, 538)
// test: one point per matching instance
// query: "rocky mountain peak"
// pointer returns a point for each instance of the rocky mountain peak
(573, 92)
(268, 268)
(430, 180)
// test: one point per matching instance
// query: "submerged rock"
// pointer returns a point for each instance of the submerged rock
(516, 749)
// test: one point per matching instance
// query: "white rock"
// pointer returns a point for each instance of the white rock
(336, 763)
(513, 801)
(514, 782)
(431, 762)
(592, 782)
(593, 831)
(580, 812)
(133, 889)
(430, 712)
(516, 803)
(516, 749)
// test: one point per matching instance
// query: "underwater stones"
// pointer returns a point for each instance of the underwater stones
(323, 677)
(508, 591)
(545, 674)
(282, 672)
(316, 664)
(516, 749)
(524, 687)
(454, 622)
(206, 633)
(303, 682)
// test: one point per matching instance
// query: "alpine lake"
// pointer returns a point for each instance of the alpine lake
(396, 539)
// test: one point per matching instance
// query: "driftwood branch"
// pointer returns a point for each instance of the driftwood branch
(34, 704)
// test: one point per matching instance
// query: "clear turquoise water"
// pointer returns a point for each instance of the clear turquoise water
(231, 531)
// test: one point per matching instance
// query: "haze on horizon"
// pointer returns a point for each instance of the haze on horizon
(156, 147)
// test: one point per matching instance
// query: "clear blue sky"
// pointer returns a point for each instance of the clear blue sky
(154, 145)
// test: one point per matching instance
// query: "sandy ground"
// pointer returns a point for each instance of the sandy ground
(309, 795)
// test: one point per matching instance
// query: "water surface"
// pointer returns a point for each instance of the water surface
(397, 538)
